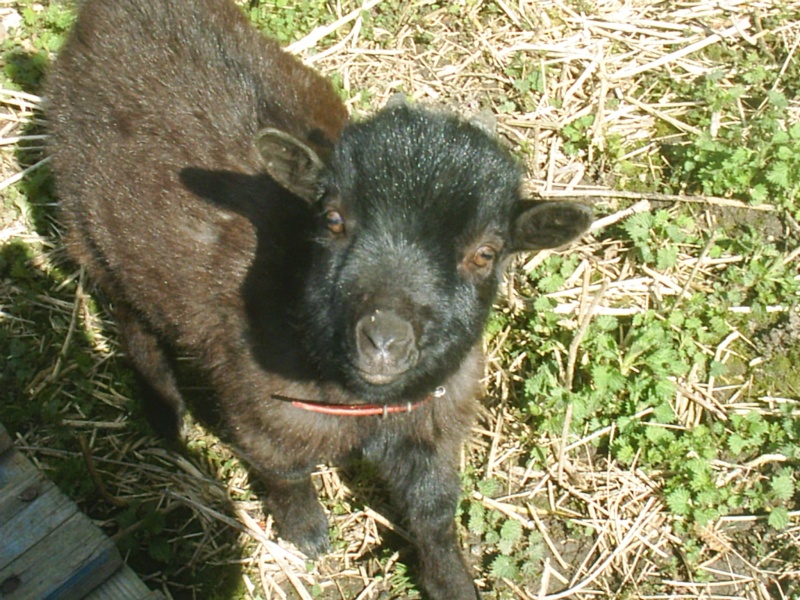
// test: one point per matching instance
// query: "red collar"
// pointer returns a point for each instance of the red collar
(359, 410)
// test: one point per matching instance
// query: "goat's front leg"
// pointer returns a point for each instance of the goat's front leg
(424, 484)
(290, 496)
(292, 500)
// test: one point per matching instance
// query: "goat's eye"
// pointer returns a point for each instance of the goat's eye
(484, 256)
(335, 222)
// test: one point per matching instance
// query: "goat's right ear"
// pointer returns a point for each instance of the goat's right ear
(550, 225)
(291, 163)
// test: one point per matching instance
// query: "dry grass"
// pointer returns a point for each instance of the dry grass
(600, 61)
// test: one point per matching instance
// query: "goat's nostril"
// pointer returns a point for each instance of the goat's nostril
(384, 336)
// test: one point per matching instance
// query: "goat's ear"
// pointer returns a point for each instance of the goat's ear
(291, 163)
(550, 225)
(397, 99)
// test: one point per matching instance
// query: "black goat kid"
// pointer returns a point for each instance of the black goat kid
(332, 279)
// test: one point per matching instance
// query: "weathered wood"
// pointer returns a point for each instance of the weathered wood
(124, 585)
(13, 468)
(5, 440)
(21, 484)
(29, 512)
(67, 564)
(49, 550)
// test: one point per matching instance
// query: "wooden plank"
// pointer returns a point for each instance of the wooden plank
(48, 549)
(29, 513)
(69, 563)
(124, 585)
(5, 440)
(14, 467)
(30, 506)
(19, 481)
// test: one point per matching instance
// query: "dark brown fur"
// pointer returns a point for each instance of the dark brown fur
(212, 188)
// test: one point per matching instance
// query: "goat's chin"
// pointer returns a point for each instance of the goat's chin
(378, 389)
(380, 375)
(409, 386)
(379, 379)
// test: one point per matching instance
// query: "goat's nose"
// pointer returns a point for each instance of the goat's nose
(386, 332)
(386, 345)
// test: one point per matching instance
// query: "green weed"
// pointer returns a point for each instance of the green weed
(289, 20)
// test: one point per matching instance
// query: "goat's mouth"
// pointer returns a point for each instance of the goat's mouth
(380, 377)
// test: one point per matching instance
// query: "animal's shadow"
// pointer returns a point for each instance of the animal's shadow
(54, 370)
(283, 225)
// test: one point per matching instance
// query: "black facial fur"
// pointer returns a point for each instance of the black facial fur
(417, 190)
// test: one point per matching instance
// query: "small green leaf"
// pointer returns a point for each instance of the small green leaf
(679, 501)
(607, 379)
(638, 226)
(779, 174)
(718, 369)
(625, 453)
(606, 323)
(510, 533)
(488, 487)
(779, 518)
(551, 283)
(504, 567)
(663, 413)
(736, 443)
(506, 547)
(477, 518)
(666, 257)
(153, 522)
(777, 99)
(159, 550)
(659, 435)
(783, 486)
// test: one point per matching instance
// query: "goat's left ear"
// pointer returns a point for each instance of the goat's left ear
(549, 225)
(291, 163)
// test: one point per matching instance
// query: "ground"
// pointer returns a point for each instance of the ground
(640, 433)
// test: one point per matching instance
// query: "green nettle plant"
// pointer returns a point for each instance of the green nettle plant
(755, 159)
(510, 551)
(632, 365)
(289, 20)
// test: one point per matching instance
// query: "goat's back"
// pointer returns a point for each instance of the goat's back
(145, 90)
